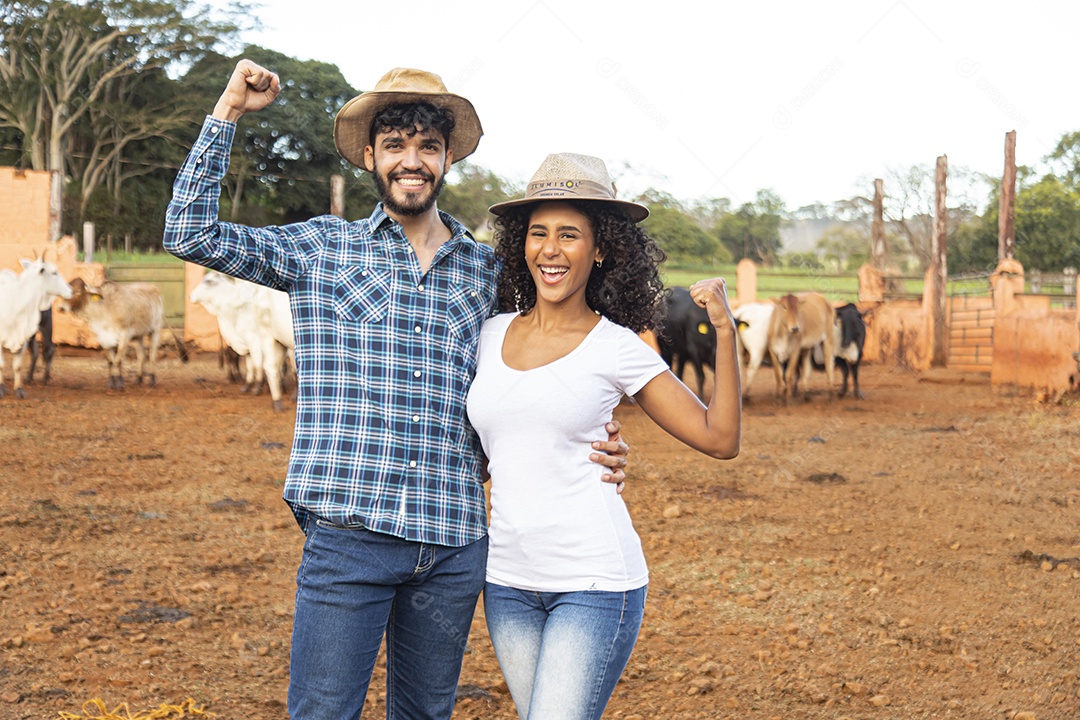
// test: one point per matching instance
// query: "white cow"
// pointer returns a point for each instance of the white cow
(281, 326)
(752, 320)
(22, 297)
(245, 313)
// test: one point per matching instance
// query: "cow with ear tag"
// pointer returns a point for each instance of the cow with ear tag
(120, 314)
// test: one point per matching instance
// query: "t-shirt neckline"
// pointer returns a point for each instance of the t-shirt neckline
(578, 348)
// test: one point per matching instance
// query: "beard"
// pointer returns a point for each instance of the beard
(413, 204)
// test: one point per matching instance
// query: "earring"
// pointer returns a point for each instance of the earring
(600, 263)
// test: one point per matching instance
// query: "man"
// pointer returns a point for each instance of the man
(384, 474)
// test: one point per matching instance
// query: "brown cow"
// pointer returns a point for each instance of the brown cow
(119, 314)
(799, 323)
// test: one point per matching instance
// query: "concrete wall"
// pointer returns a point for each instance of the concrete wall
(897, 332)
(24, 204)
(1033, 348)
(200, 327)
(68, 329)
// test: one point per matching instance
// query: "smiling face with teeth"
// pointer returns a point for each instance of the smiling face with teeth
(409, 169)
(560, 250)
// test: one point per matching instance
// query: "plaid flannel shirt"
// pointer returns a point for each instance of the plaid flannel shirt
(385, 354)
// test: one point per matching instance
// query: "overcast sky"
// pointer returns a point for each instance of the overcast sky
(717, 99)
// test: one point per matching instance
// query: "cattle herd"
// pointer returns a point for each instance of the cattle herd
(119, 315)
(792, 333)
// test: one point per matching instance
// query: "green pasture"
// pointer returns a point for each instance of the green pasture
(772, 282)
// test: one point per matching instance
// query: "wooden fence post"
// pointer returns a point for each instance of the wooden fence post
(940, 271)
(1007, 208)
(337, 196)
(746, 281)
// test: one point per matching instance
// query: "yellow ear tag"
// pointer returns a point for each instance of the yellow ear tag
(703, 328)
(95, 298)
(743, 324)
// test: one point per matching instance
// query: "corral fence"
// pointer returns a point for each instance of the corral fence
(972, 312)
(169, 277)
(976, 304)
(1060, 287)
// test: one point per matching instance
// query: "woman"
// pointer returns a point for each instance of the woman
(566, 577)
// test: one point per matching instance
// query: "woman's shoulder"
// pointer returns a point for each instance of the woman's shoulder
(614, 331)
(496, 323)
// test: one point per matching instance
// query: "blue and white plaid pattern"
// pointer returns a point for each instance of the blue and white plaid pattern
(385, 355)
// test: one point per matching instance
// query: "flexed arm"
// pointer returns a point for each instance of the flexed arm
(715, 430)
(251, 87)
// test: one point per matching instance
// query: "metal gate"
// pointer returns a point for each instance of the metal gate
(971, 332)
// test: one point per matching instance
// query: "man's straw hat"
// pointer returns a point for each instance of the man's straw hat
(569, 176)
(352, 126)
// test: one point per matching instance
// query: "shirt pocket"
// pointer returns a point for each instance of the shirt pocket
(362, 294)
(466, 310)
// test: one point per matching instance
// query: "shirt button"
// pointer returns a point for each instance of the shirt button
(364, 273)
(417, 328)
(416, 418)
(420, 288)
(416, 373)
(412, 463)
(214, 130)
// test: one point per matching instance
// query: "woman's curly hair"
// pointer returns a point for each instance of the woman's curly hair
(625, 289)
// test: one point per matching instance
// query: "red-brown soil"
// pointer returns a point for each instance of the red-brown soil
(910, 555)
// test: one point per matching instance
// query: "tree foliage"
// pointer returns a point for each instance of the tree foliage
(470, 191)
(682, 233)
(845, 247)
(753, 230)
(682, 239)
(62, 61)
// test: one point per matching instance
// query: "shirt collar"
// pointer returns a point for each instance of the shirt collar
(458, 231)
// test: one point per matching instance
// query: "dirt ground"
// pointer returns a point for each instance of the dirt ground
(910, 555)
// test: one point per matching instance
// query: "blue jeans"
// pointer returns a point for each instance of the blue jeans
(562, 653)
(355, 585)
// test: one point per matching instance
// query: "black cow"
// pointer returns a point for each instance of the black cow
(851, 336)
(46, 351)
(687, 336)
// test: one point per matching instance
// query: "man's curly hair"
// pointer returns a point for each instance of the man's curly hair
(412, 118)
(626, 289)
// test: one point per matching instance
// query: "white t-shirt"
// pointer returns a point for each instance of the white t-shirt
(555, 526)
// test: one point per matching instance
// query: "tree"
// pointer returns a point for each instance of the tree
(1065, 158)
(846, 246)
(283, 156)
(1048, 225)
(109, 146)
(753, 231)
(291, 142)
(708, 213)
(470, 191)
(909, 206)
(1047, 220)
(60, 58)
(683, 239)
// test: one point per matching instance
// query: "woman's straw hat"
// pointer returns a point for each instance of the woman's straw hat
(569, 176)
